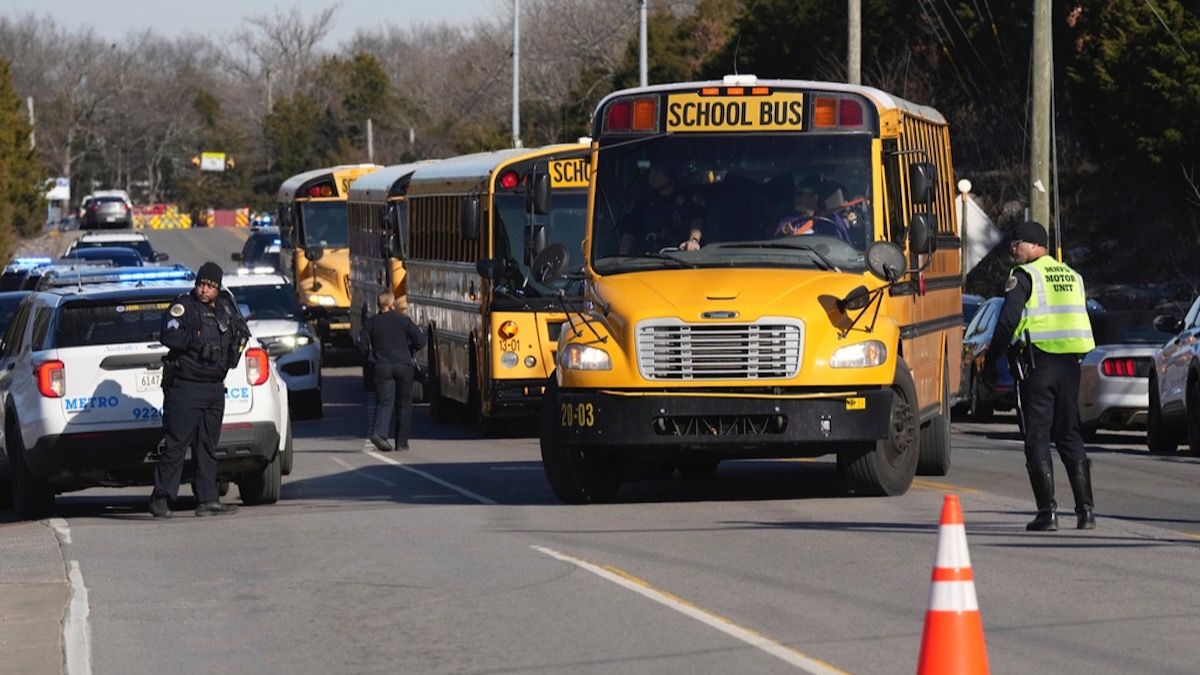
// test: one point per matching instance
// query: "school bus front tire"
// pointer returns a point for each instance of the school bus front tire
(886, 467)
(577, 475)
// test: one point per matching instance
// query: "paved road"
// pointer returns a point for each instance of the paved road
(456, 558)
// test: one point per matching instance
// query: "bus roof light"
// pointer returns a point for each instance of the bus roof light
(509, 180)
(824, 112)
(710, 91)
(314, 191)
(736, 91)
(619, 116)
(742, 80)
(760, 91)
(850, 113)
(645, 114)
(326, 191)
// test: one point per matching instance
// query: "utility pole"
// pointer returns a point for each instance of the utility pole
(516, 84)
(643, 73)
(270, 102)
(32, 124)
(370, 141)
(854, 42)
(1039, 152)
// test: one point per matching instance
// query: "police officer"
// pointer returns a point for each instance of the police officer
(206, 336)
(1044, 306)
(390, 339)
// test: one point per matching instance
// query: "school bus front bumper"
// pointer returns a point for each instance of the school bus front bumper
(746, 425)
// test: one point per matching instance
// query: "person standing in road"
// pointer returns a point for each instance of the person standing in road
(1045, 306)
(206, 336)
(389, 339)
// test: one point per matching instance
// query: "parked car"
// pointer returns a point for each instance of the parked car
(979, 397)
(1174, 412)
(971, 304)
(15, 272)
(1113, 382)
(107, 209)
(276, 320)
(134, 240)
(8, 306)
(119, 256)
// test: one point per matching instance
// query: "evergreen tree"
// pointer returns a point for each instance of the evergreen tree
(21, 174)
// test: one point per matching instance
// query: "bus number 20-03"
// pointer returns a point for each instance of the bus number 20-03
(578, 415)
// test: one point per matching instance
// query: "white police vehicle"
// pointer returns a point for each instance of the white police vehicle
(81, 397)
(268, 301)
(134, 240)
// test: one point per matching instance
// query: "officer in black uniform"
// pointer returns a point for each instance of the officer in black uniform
(206, 335)
(1049, 310)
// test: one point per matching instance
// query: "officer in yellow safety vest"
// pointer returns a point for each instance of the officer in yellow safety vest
(1045, 311)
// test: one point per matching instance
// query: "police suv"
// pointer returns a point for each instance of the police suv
(81, 396)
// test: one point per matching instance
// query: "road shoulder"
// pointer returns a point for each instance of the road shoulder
(34, 592)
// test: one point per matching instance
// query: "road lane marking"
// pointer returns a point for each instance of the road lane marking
(61, 530)
(346, 465)
(76, 638)
(746, 635)
(430, 477)
(923, 484)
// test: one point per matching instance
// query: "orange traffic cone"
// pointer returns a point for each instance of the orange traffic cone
(953, 640)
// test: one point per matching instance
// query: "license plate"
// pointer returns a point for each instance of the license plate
(110, 219)
(149, 380)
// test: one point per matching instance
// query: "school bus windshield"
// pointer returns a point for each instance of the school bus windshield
(778, 200)
(324, 224)
(563, 225)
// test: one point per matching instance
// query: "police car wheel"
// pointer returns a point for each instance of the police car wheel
(886, 467)
(32, 497)
(262, 487)
(286, 455)
(1158, 438)
(576, 475)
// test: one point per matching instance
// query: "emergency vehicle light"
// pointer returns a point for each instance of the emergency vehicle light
(632, 114)
(31, 262)
(156, 275)
(509, 180)
(830, 112)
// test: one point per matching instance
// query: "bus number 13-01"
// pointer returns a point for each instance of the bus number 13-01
(578, 415)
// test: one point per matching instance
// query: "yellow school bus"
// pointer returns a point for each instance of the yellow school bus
(474, 235)
(312, 222)
(772, 269)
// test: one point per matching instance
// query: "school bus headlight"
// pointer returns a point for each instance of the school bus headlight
(583, 357)
(507, 330)
(508, 359)
(322, 300)
(862, 355)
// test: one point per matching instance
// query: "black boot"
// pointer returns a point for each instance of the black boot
(1080, 474)
(1041, 477)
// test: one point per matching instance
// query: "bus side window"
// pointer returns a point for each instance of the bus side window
(893, 186)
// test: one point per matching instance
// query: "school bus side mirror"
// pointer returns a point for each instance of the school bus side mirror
(535, 241)
(922, 177)
(548, 266)
(397, 233)
(469, 218)
(1165, 323)
(886, 261)
(922, 233)
(539, 195)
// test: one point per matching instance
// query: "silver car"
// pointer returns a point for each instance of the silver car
(1113, 390)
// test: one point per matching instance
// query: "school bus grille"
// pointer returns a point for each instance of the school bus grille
(670, 349)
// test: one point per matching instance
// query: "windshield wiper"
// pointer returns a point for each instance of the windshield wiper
(654, 256)
(826, 262)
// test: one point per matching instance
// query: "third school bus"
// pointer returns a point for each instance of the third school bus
(772, 270)
(474, 233)
(312, 222)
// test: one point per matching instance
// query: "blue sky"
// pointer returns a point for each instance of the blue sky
(172, 17)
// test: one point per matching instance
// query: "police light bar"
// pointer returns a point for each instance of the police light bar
(258, 269)
(117, 275)
(30, 262)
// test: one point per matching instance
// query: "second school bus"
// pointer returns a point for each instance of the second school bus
(473, 238)
(772, 270)
(312, 222)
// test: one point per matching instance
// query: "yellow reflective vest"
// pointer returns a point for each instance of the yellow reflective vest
(1056, 313)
